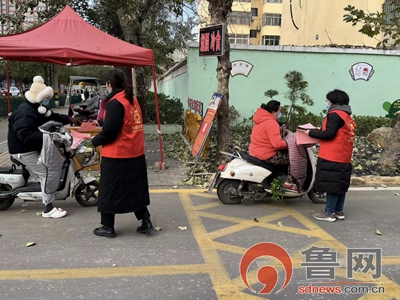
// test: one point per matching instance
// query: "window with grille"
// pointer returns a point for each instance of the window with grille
(254, 12)
(239, 18)
(271, 19)
(271, 40)
(253, 33)
(272, 1)
(242, 39)
(390, 11)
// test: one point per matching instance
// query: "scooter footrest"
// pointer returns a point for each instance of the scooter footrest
(30, 187)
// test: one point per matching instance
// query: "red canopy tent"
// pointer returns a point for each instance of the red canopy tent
(68, 40)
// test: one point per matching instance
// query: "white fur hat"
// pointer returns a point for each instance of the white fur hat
(39, 92)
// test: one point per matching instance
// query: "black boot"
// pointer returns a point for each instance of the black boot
(107, 232)
(146, 227)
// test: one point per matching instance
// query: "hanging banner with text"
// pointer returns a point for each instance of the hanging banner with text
(212, 40)
(206, 124)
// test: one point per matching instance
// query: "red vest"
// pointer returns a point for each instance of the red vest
(130, 140)
(340, 148)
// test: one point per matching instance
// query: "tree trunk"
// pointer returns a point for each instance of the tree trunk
(391, 154)
(55, 82)
(219, 10)
(223, 74)
(141, 90)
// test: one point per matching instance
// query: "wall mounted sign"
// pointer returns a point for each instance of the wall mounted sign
(241, 67)
(196, 105)
(212, 40)
(391, 109)
(361, 70)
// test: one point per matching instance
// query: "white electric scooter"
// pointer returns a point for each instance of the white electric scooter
(14, 181)
(245, 176)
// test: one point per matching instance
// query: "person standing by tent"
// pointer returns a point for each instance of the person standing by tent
(123, 182)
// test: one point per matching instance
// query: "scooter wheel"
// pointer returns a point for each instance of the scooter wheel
(89, 196)
(5, 203)
(317, 197)
(227, 191)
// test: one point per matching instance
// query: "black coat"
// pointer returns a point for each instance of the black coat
(23, 128)
(123, 183)
(331, 177)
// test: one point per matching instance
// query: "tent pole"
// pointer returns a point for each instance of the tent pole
(8, 87)
(158, 117)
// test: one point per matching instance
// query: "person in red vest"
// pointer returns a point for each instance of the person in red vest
(123, 182)
(336, 148)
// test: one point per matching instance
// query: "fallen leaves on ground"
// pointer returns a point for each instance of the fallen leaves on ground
(365, 155)
(378, 232)
(182, 227)
(30, 244)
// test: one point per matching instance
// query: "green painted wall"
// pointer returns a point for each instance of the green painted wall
(324, 68)
(176, 87)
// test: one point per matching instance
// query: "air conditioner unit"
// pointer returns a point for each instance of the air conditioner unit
(258, 28)
(253, 18)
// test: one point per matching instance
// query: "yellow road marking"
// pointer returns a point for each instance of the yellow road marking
(102, 272)
(224, 287)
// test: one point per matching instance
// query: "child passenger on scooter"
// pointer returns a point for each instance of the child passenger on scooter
(266, 142)
(25, 140)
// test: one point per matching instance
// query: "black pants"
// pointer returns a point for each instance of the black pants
(108, 220)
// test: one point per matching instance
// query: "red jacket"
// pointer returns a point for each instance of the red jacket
(340, 148)
(265, 139)
(130, 140)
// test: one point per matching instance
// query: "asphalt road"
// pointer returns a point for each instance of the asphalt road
(198, 252)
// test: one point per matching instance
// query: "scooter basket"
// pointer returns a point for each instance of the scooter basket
(86, 154)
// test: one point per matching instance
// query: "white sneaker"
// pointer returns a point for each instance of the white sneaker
(55, 213)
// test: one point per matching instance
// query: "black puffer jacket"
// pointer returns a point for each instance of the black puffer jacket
(23, 128)
(332, 177)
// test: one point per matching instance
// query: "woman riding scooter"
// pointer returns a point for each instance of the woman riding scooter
(266, 142)
(25, 139)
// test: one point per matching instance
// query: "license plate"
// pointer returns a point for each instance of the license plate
(213, 180)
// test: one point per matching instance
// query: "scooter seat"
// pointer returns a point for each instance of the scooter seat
(255, 161)
(6, 170)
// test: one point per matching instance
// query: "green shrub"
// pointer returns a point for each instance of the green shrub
(171, 109)
(14, 103)
(365, 124)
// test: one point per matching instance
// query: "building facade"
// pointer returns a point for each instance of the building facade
(297, 22)
(7, 7)
(369, 76)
